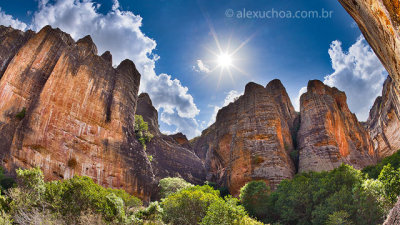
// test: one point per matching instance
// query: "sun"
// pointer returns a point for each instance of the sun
(224, 60)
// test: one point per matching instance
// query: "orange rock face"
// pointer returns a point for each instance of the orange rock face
(379, 21)
(384, 120)
(329, 133)
(79, 116)
(251, 139)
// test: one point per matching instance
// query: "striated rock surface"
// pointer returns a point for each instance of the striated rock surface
(11, 40)
(379, 21)
(79, 117)
(329, 133)
(172, 155)
(251, 139)
(394, 215)
(384, 120)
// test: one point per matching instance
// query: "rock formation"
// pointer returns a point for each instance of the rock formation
(251, 139)
(379, 21)
(67, 110)
(172, 155)
(394, 215)
(329, 133)
(384, 120)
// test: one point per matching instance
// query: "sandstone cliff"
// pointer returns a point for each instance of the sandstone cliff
(379, 21)
(384, 120)
(251, 139)
(394, 215)
(67, 110)
(329, 133)
(172, 155)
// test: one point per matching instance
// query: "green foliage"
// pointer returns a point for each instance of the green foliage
(339, 218)
(5, 181)
(390, 178)
(188, 206)
(151, 214)
(226, 212)
(246, 220)
(254, 197)
(311, 198)
(223, 191)
(21, 114)
(374, 171)
(170, 185)
(150, 157)
(141, 130)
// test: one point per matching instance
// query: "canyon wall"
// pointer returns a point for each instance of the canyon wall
(171, 155)
(67, 110)
(251, 139)
(329, 133)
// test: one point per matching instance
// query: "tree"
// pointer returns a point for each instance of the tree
(390, 179)
(141, 131)
(170, 185)
(188, 206)
(254, 197)
(224, 212)
(339, 218)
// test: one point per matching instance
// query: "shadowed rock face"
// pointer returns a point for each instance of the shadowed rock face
(329, 133)
(379, 21)
(384, 120)
(394, 215)
(251, 139)
(79, 116)
(172, 155)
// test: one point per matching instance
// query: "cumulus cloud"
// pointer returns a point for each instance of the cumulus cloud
(201, 67)
(8, 20)
(296, 103)
(359, 73)
(188, 126)
(231, 97)
(119, 32)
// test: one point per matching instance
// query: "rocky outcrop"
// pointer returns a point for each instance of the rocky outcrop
(11, 40)
(394, 215)
(379, 21)
(384, 120)
(329, 133)
(251, 139)
(67, 110)
(171, 155)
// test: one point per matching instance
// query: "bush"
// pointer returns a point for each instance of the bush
(151, 214)
(226, 212)
(374, 171)
(390, 179)
(189, 205)
(170, 185)
(21, 114)
(311, 198)
(141, 131)
(339, 218)
(254, 197)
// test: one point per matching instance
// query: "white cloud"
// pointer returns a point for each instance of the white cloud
(8, 20)
(231, 97)
(188, 126)
(119, 32)
(296, 103)
(201, 67)
(359, 73)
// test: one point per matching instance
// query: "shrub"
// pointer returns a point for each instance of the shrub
(339, 218)
(21, 114)
(189, 205)
(374, 171)
(151, 214)
(390, 179)
(170, 185)
(141, 131)
(254, 197)
(226, 212)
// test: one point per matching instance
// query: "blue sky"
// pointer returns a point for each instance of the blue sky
(168, 39)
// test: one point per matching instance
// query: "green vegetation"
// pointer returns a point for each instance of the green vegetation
(341, 196)
(141, 130)
(254, 197)
(21, 114)
(374, 171)
(170, 185)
